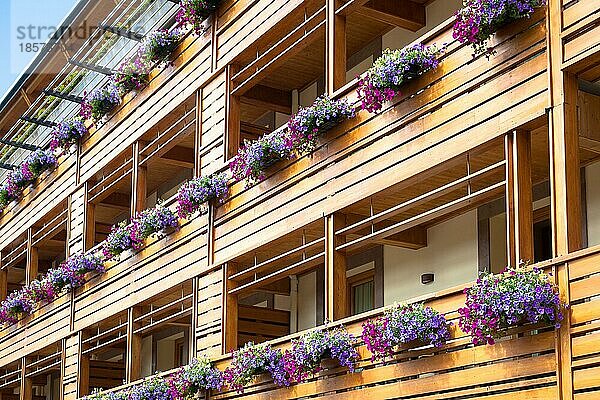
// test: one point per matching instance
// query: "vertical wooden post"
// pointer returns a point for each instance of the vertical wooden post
(26, 392)
(565, 187)
(198, 133)
(335, 270)
(134, 346)
(89, 221)
(138, 182)
(335, 45)
(83, 376)
(194, 333)
(230, 310)
(232, 115)
(3, 280)
(31, 270)
(519, 197)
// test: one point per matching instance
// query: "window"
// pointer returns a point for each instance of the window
(362, 292)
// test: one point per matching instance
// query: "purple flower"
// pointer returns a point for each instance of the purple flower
(519, 295)
(158, 45)
(390, 71)
(39, 161)
(121, 238)
(101, 101)
(190, 380)
(477, 21)
(68, 133)
(310, 122)
(154, 388)
(254, 157)
(304, 358)
(151, 221)
(403, 324)
(131, 75)
(194, 12)
(194, 194)
(252, 360)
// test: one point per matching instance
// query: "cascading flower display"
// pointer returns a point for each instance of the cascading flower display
(39, 161)
(393, 69)
(252, 360)
(304, 358)
(477, 20)
(119, 240)
(131, 75)
(402, 324)
(102, 101)
(68, 133)
(194, 12)
(310, 122)
(198, 376)
(519, 295)
(69, 275)
(151, 221)
(5, 197)
(16, 305)
(154, 388)
(254, 157)
(160, 44)
(115, 395)
(196, 193)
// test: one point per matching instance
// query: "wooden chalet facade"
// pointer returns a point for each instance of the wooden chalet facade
(478, 164)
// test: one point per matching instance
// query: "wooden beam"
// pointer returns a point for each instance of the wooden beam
(90, 222)
(179, 156)
(138, 182)
(31, 269)
(335, 269)
(3, 283)
(519, 198)
(230, 310)
(413, 238)
(232, 115)
(565, 187)
(133, 370)
(118, 200)
(589, 144)
(198, 133)
(409, 15)
(83, 376)
(277, 100)
(335, 44)
(26, 392)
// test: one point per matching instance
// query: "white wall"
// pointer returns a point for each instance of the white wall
(592, 189)
(437, 12)
(498, 252)
(451, 254)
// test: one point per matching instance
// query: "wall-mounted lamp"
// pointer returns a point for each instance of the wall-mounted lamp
(426, 279)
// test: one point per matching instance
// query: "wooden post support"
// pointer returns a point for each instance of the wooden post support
(198, 133)
(133, 370)
(564, 143)
(83, 376)
(89, 221)
(3, 280)
(31, 270)
(565, 186)
(232, 115)
(230, 310)
(335, 48)
(138, 182)
(193, 346)
(519, 197)
(335, 270)
(26, 392)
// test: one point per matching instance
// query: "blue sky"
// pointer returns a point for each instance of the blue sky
(15, 13)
